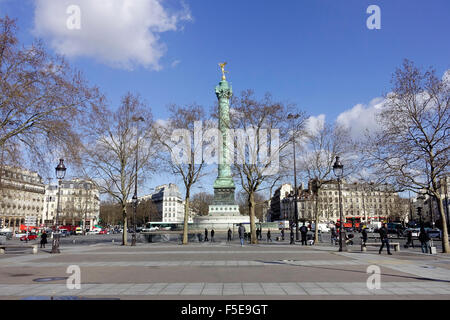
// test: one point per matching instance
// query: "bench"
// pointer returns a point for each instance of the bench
(396, 245)
(33, 246)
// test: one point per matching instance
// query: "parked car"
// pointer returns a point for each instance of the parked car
(94, 231)
(8, 235)
(78, 231)
(31, 236)
(104, 231)
(64, 233)
(415, 231)
(434, 233)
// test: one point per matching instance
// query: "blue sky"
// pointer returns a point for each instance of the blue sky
(318, 54)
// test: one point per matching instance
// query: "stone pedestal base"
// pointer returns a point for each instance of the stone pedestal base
(221, 217)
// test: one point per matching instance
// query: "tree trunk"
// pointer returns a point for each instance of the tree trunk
(186, 218)
(125, 226)
(316, 229)
(251, 207)
(445, 244)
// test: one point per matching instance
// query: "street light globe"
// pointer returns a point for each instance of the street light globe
(338, 168)
(60, 170)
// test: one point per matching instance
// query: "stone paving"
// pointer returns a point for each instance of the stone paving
(221, 271)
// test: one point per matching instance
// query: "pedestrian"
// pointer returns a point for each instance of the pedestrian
(292, 236)
(241, 231)
(333, 236)
(424, 239)
(410, 239)
(206, 234)
(260, 233)
(384, 239)
(43, 239)
(268, 236)
(257, 233)
(319, 234)
(303, 231)
(212, 235)
(229, 235)
(364, 236)
(282, 234)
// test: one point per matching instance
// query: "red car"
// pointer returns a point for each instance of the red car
(30, 237)
(103, 232)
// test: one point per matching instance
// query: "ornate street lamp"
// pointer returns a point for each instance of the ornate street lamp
(295, 116)
(338, 170)
(60, 174)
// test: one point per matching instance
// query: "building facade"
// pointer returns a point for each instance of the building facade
(169, 204)
(79, 204)
(21, 195)
(361, 202)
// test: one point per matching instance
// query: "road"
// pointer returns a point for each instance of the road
(221, 270)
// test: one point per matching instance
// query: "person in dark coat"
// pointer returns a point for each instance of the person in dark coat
(364, 235)
(333, 236)
(212, 235)
(206, 234)
(410, 239)
(292, 241)
(268, 236)
(282, 234)
(257, 233)
(303, 231)
(241, 232)
(384, 239)
(229, 235)
(43, 239)
(424, 239)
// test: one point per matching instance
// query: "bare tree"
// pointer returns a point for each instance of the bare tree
(242, 201)
(183, 154)
(42, 101)
(256, 161)
(411, 150)
(320, 147)
(112, 139)
(201, 202)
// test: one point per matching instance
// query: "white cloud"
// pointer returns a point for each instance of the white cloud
(315, 124)
(119, 33)
(361, 118)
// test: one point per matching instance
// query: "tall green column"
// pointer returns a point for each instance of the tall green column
(224, 185)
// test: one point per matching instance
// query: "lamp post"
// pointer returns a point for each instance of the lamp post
(338, 170)
(135, 197)
(421, 197)
(60, 174)
(295, 116)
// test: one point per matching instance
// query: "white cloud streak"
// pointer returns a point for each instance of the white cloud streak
(120, 33)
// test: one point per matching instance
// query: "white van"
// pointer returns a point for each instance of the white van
(323, 227)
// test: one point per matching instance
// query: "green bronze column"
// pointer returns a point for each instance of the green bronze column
(224, 185)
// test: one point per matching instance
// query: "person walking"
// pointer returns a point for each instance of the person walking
(212, 235)
(206, 234)
(268, 236)
(384, 239)
(282, 234)
(43, 239)
(260, 233)
(303, 231)
(410, 239)
(292, 241)
(229, 235)
(257, 233)
(424, 239)
(333, 236)
(241, 231)
(364, 235)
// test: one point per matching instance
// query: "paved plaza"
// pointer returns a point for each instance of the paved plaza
(223, 270)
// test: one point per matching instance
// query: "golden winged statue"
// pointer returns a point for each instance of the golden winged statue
(222, 66)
